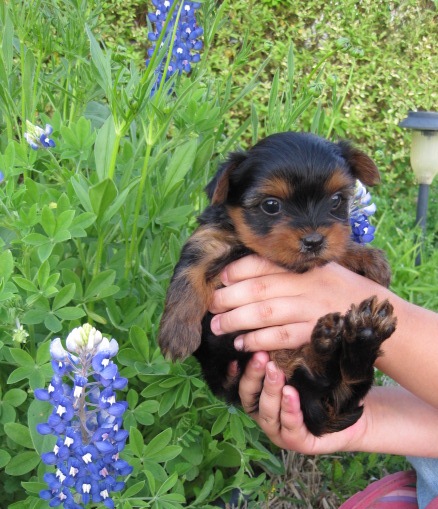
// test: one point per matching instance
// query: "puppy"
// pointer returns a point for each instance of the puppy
(286, 199)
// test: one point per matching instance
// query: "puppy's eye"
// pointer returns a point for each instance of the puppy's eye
(336, 201)
(271, 206)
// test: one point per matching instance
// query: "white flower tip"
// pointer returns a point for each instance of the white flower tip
(85, 337)
(57, 351)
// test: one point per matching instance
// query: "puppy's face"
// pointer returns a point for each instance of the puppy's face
(289, 197)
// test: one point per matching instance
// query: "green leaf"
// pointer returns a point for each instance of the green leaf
(15, 397)
(20, 374)
(139, 341)
(158, 443)
(103, 147)
(118, 202)
(64, 296)
(48, 221)
(101, 286)
(134, 489)
(102, 195)
(7, 413)
(25, 284)
(207, 486)
(220, 423)
(19, 434)
(70, 313)
(136, 442)
(64, 220)
(4, 458)
(81, 187)
(102, 63)
(35, 239)
(6, 264)
(180, 164)
(34, 487)
(22, 463)
(43, 274)
(21, 357)
(80, 223)
(34, 316)
(44, 251)
(168, 484)
(52, 323)
(39, 412)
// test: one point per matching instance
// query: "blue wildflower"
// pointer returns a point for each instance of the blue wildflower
(2, 179)
(37, 137)
(361, 209)
(187, 43)
(87, 421)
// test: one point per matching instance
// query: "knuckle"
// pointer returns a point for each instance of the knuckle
(266, 420)
(258, 288)
(283, 335)
(265, 312)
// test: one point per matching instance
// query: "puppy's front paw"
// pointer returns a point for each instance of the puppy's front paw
(366, 327)
(371, 322)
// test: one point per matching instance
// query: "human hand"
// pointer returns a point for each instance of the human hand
(279, 414)
(280, 307)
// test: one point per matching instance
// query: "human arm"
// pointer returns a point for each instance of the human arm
(284, 307)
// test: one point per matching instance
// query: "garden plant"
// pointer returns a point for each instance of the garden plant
(113, 117)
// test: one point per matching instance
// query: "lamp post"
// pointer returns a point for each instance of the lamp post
(424, 159)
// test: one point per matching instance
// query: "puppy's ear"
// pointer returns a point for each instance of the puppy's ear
(362, 166)
(217, 188)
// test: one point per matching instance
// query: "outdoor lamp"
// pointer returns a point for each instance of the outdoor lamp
(424, 158)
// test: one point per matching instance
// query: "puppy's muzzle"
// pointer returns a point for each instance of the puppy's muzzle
(312, 243)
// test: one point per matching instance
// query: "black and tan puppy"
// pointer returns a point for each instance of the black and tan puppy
(286, 199)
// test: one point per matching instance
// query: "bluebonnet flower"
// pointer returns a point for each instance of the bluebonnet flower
(187, 42)
(37, 137)
(2, 177)
(361, 209)
(87, 421)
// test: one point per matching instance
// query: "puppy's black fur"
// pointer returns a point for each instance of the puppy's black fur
(286, 199)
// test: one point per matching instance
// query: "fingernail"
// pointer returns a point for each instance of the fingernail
(271, 372)
(224, 277)
(238, 343)
(215, 325)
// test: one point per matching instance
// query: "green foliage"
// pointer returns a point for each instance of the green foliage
(90, 230)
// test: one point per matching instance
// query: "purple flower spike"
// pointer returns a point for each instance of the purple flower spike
(360, 210)
(187, 42)
(86, 419)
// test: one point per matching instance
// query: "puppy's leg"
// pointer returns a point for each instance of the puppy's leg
(366, 327)
(314, 370)
(191, 289)
(368, 262)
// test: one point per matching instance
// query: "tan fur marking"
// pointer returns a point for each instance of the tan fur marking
(276, 187)
(339, 180)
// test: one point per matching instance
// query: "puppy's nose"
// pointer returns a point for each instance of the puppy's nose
(312, 242)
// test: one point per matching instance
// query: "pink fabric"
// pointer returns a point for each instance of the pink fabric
(395, 491)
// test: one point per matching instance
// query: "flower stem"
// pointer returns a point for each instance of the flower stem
(139, 199)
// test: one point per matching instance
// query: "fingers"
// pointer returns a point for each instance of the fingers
(248, 267)
(251, 382)
(280, 415)
(270, 401)
(281, 337)
(252, 290)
